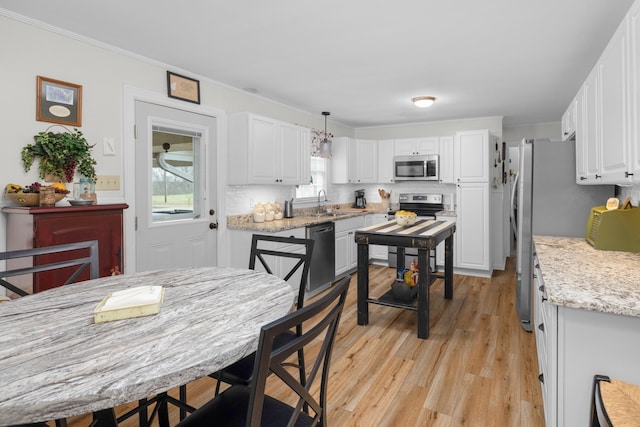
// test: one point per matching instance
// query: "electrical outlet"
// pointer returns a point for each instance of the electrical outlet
(107, 182)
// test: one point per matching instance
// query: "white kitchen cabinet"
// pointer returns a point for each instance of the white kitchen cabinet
(446, 149)
(472, 156)
(591, 130)
(411, 146)
(346, 256)
(545, 329)
(581, 144)
(354, 161)
(440, 248)
(569, 121)
(472, 225)
(613, 111)
(634, 90)
(385, 160)
(377, 252)
(607, 122)
(267, 151)
(575, 344)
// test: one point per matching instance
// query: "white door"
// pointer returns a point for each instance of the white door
(175, 188)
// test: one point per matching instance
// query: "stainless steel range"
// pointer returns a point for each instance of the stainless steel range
(426, 205)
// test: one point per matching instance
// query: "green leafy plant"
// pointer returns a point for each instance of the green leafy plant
(60, 154)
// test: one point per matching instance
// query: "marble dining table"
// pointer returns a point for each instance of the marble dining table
(56, 362)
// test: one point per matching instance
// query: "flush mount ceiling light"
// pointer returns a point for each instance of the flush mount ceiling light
(423, 101)
(325, 144)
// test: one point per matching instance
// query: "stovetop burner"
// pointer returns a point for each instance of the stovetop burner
(423, 204)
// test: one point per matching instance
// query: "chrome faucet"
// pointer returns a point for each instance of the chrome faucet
(325, 198)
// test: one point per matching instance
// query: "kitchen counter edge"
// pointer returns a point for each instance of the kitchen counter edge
(576, 275)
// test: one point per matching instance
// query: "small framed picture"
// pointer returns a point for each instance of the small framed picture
(58, 102)
(181, 87)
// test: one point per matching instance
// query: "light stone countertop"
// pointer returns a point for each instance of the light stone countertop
(306, 217)
(300, 219)
(55, 362)
(578, 276)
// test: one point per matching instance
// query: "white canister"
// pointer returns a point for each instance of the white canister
(258, 216)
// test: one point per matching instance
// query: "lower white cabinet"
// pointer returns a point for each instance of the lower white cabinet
(473, 247)
(377, 252)
(346, 248)
(545, 328)
(575, 344)
(440, 247)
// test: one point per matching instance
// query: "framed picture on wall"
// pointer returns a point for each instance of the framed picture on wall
(58, 102)
(184, 88)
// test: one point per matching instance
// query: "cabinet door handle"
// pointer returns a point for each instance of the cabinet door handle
(541, 327)
(544, 299)
(541, 378)
(627, 174)
(582, 178)
(598, 176)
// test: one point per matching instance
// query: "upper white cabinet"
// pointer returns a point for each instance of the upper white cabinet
(446, 150)
(569, 121)
(634, 90)
(267, 151)
(613, 111)
(385, 160)
(471, 157)
(354, 161)
(410, 146)
(607, 121)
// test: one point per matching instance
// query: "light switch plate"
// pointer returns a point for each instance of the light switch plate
(108, 146)
(107, 182)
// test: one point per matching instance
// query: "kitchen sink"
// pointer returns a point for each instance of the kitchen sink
(333, 214)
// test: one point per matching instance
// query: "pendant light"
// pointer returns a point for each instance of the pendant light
(325, 144)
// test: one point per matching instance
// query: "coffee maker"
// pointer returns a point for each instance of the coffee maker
(360, 202)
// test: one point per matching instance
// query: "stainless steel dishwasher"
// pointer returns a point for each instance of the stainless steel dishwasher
(323, 261)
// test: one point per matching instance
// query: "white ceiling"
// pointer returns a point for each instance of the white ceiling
(363, 60)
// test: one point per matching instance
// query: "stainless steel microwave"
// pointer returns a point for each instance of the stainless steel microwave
(416, 168)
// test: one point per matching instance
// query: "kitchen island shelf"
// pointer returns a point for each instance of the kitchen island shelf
(387, 299)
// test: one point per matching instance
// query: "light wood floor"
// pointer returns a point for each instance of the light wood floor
(477, 368)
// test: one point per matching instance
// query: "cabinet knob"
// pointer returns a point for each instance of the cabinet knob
(541, 327)
(541, 378)
(541, 288)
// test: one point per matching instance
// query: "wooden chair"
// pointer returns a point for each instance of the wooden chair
(82, 263)
(614, 403)
(242, 405)
(301, 250)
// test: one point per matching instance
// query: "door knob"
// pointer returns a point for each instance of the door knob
(213, 225)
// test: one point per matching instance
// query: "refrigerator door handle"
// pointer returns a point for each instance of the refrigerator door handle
(514, 188)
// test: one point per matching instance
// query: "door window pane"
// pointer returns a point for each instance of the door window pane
(174, 172)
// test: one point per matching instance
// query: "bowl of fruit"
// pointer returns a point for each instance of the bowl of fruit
(406, 218)
(30, 195)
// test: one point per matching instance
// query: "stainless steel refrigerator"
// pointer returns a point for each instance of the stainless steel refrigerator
(547, 201)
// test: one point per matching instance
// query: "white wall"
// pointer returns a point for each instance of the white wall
(30, 49)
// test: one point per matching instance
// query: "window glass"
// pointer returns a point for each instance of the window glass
(319, 179)
(172, 176)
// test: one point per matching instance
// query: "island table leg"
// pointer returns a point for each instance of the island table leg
(424, 279)
(363, 284)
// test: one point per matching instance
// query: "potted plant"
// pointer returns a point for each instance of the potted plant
(60, 155)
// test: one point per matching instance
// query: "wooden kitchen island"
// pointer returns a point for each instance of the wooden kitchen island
(424, 235)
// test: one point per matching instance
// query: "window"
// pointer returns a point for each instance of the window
(319, 179)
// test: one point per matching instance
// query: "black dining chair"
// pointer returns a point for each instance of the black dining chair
(299, 253)
(614, 403)
(250, 406)
(33, 261)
